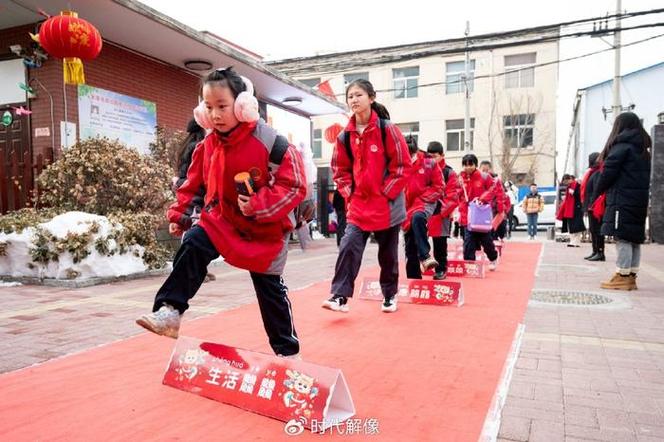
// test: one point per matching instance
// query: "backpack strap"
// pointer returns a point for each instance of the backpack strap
(446, 173)
(278, 150)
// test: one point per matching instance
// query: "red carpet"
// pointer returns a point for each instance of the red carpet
(425, 373)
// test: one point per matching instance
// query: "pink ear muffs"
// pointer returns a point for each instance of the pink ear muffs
(202, 117)
(246, 105)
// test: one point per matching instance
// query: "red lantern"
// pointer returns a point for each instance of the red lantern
(332, 132)
(73, 39)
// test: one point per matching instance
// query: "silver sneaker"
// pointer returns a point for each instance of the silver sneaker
(165, 321)
(389, 305)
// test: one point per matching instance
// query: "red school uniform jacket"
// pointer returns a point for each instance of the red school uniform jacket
(372, 182)
(424, 187)
(255, 243)
(448, 201)
(478, 185)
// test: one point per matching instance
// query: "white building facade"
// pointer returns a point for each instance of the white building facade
(640, 92)
(512, 104)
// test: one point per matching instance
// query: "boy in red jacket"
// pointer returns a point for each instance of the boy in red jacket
(501, 202)
(479, 187)
(423, 190)
(249, 231)
(442, 217)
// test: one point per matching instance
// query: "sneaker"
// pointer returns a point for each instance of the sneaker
(337, 304)
(620, 282)
(439, 276)
(428, 263)
(492, 266)
(389, 305)
(296, 357)
(164, 322)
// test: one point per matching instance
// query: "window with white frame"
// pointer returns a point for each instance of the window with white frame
(454, 72)
(519, 130)
(520, 70)
(317, 145)
(455, 135)
(405, 82)
(311, 82)
(349, 78)
(412, 129)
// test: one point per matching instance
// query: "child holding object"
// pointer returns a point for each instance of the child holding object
(248, 226)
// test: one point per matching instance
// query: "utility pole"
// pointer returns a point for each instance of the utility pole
(617, 106)
(466, 82)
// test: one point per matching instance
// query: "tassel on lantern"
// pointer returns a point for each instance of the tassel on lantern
(73, 71)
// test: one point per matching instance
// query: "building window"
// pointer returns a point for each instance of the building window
(311, 82)
(519, 130)
(405, 82)
(317, 145)
(519, 70)
(455, 135)
(454, 72)
(349, 78)
(412, 129)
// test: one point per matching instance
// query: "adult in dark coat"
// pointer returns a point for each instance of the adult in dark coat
(625, 178)
(588, 186)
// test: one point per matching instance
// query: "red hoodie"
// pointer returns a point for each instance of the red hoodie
(254, 243)
(373, 182)
(424, 188)
(478, 185)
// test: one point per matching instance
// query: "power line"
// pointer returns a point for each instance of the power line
(539, 65)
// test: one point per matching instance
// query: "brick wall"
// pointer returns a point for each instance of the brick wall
(174, 90)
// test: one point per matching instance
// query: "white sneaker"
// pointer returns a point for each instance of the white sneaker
(428, 263)
(492, 266)
(296, 356)
(389, 305)
(164, 322)
(337, 304)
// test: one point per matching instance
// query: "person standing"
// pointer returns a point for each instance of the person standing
(588, 184)
(625, 178)
(532, 205)
(511, 193)
(570, 211)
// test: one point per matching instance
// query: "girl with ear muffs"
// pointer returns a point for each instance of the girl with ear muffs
(248, 226)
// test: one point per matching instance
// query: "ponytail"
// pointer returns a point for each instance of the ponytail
(380, 110)
(371, 92)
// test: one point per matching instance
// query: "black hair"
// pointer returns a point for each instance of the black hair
(486, 163)
(435, 147)
(412, 144)
(533, 184)
(229, 78)
(623, 122)
(469, 159)
(367, 87)
(568, 176)
(195, 134)
(592, 159)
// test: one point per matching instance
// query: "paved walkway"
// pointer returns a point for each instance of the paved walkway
(584, 372)
(591, 372)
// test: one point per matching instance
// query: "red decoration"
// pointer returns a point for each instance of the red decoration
(326, 89)
(332, 132)
(73, 39)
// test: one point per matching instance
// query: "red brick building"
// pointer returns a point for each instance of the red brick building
(145, 56)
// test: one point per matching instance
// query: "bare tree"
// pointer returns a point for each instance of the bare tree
(515, 137)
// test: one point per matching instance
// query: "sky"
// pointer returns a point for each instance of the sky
(283, 29)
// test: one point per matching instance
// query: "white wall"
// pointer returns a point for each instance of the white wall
(433, 106)
(642, 88)
(12, 73)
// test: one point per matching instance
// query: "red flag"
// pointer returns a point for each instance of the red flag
(325, 88)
